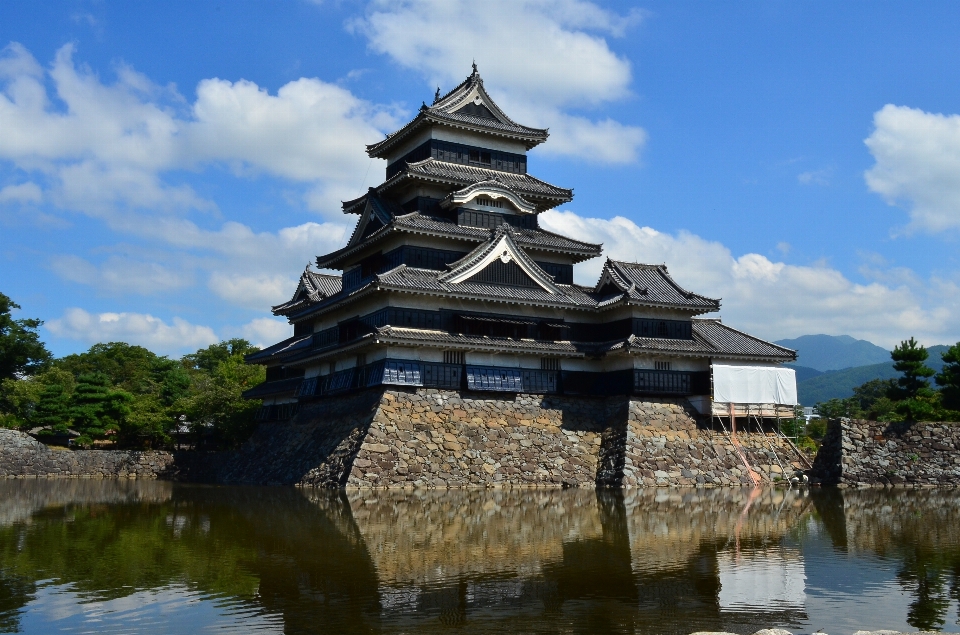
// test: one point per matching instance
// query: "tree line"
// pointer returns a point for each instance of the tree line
(122, 393)
(911, 397)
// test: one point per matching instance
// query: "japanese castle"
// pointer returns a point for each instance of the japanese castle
(449, 282)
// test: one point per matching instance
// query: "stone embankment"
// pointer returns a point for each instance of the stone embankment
(780, 631)
(22, 456)
(431, 438)
(871, 453)
(434, 438)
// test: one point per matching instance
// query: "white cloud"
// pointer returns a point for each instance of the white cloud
(538, 58)
(255, 291)
(120, 275)
(22, 193)
(815, 177)
(917, 158)
(110, 146)
(143, 329)
(265, 332)
(113, 150)
(773, 299)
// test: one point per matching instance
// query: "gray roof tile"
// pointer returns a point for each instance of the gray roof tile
(449, 110)
(458, 174)
(312, 288)
(725, 339)
(647, 284)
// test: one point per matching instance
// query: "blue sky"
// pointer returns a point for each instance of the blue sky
(168, 169)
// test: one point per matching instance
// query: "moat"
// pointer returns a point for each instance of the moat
(156, 557)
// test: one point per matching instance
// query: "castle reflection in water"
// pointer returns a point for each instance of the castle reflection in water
(573, 560)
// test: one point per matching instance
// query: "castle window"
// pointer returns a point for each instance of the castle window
(663, 365)
(453, 357)
(486, 201)
(549, 363)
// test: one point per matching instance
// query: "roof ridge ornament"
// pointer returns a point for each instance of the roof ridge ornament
(475, 73)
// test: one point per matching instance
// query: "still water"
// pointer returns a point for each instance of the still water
(153, 557)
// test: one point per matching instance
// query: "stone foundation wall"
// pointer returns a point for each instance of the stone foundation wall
(22, 456)
(871, 453)
(435, 438)
(428, 438)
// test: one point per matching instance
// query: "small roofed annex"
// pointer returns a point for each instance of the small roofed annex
(449, 282)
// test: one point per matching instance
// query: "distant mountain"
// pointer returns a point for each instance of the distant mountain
(833, 352)
(839, 384)
(804, 372)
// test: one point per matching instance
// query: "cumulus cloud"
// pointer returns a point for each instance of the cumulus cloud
(22, 193)
(566, 61)
(917, 165)
(264, 332)
(120, 275)
(100, 146)
(775, 299)
(174, 338)
(254, 291)
(112, 151)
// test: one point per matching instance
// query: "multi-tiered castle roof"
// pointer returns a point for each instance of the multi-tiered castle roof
(448, 281)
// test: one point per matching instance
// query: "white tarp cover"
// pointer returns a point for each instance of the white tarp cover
(754, 384)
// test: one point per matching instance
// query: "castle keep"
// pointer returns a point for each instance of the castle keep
(454, 306)
(449, 282)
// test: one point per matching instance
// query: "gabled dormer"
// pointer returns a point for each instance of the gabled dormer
(376, 214)
(490, 195)
(500, 262)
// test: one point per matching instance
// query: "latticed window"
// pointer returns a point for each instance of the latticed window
(549, 363)
(662, 365)
(453, 357)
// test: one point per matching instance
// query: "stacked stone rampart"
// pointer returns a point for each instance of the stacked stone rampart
(870, 453)
(22, 456)
(423, 438)
(434, 438)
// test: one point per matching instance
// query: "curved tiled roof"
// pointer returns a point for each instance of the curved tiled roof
(542, 194)
(287, 347)
(312, 288)
(647, 284)
(460, 174)
(450, 110)
(418, 223)
(724, 339)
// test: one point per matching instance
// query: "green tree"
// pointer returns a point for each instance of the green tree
(909, 358)
(216, 401)
(21, 351)
(149, 422)
(207, 359)
(53, 408)
(131, 368)
(872, 399)
(836, 408)
(949, 378)
(96, 407)
(20, 398)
